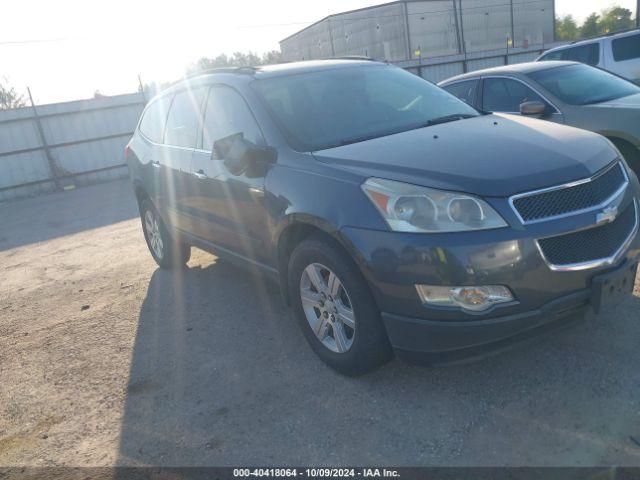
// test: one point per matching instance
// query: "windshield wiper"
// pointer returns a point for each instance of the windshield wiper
(364, 138)
(448, 118)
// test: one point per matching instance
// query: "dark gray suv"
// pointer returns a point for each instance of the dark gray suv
(394, 216)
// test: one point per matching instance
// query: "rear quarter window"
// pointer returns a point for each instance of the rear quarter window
(465, 91)
(626, 48)
(154, 119)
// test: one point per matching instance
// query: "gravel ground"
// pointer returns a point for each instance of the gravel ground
(107, 360)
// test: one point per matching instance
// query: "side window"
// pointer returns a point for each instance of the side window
(154, 119)
(465, 91)
(589, 54)
(557, 55)
(227, 113)
(626, 48)
(505, 95)
(184, 118)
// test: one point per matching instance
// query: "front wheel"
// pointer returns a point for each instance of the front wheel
(630, 153)
(165, 250)
(335, 308)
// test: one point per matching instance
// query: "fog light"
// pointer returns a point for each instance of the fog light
(475, 299)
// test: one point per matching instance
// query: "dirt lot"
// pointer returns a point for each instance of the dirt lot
(105, 359)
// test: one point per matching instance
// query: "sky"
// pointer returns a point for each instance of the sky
(67, 49)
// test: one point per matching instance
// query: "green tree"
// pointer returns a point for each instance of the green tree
(567, 28)
(237, 59)
(272, 57)
(10, 98)
(591, 26)
(612, 19)
(616, 18)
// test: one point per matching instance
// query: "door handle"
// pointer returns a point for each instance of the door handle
(200, 174)
(155, 163)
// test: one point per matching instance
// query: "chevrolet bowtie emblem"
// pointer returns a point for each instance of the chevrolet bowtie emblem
(608, 215)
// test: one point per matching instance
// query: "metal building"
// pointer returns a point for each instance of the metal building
(417, 30)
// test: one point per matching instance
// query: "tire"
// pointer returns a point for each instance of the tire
(630, 153)
(359, 343)
(165, 250)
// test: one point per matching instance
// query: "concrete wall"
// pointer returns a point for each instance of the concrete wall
(426, 29)
(86, 141)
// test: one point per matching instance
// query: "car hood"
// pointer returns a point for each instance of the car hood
(490, 155)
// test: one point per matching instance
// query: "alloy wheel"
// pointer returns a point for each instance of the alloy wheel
(152, 227)
(328, 308)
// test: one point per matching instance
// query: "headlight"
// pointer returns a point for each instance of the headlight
(411, 208)
(474, 299)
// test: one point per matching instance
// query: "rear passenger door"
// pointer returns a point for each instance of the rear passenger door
(228, 206)
(179, 142)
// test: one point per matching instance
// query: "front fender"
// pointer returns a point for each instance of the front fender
(316, 199)
(621, 135)
(320, 196)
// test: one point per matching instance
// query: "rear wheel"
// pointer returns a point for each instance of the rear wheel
(335, 308)
(165, 250)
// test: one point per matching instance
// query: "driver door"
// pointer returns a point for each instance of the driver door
(227, 206)
(504, 95)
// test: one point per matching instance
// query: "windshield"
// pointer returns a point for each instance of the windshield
(329, 108)
(583, 85)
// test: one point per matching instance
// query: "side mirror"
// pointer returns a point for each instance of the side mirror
(534, 108)
(243, 156)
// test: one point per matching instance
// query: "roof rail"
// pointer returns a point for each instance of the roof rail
(621, 31)
(354, 57)
(604, 35)
(246, 70)
(208, 71)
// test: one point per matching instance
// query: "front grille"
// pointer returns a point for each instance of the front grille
(553, 202)
(592, 244)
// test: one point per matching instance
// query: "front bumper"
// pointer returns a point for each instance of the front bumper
(393, 263)
(445, 341)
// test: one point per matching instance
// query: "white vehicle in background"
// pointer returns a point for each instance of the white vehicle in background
(618, 53)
